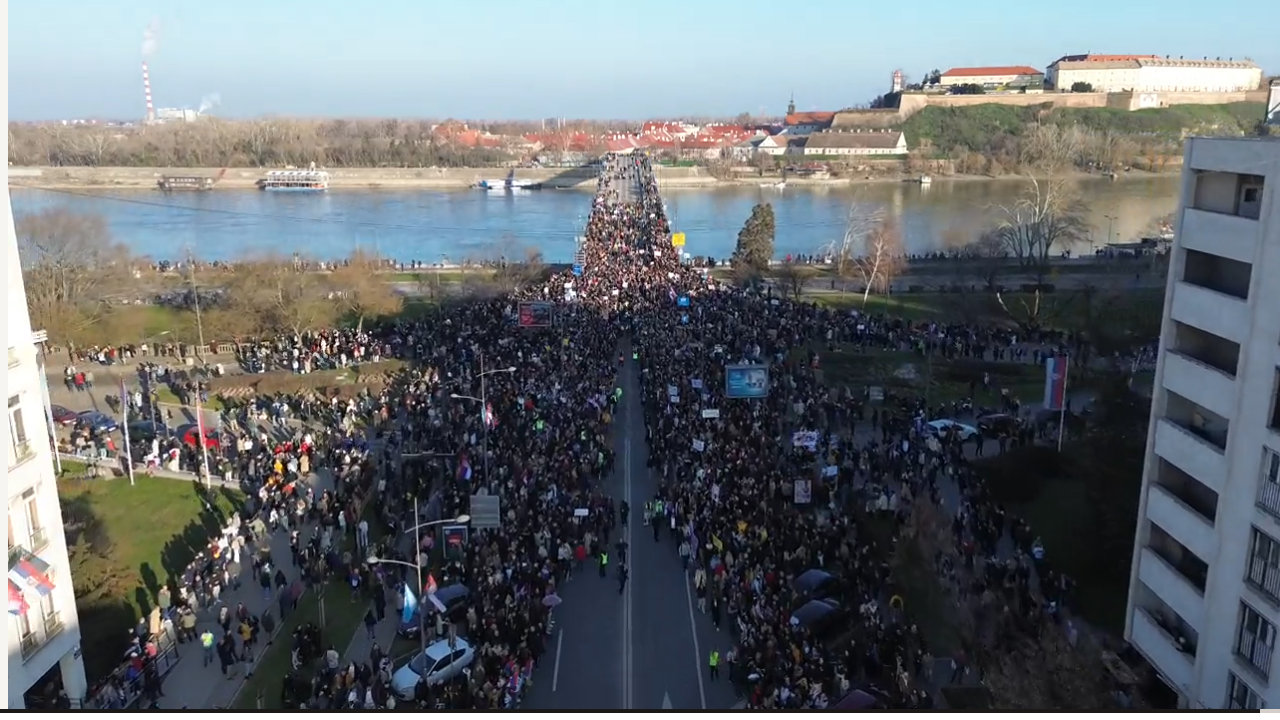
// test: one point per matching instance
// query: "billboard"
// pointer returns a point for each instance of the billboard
(746, 381)
(536, 314)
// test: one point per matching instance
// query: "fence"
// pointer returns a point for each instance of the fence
(130, 687)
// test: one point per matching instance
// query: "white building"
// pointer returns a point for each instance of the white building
(1204, 596)
(1273, 104)
(859, 143)
(1150, 74)
(1011, 76)
(44, 630)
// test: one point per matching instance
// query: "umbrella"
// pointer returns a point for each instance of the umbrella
(551, 600)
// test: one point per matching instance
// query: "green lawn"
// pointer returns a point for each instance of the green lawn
(934, 377)
(1066, 309)
(125, 543)
(166, 396)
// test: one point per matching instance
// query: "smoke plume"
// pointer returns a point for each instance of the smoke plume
(209, 102)
(150, 37)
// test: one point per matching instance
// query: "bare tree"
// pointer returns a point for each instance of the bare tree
(361, 291)
(281, 297)
(881, 259)
(860, 221)
(71, 269)
(793, 277)
(985, 257)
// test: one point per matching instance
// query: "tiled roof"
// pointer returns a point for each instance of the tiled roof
(864, 140)
(810, 118)
(991, 71)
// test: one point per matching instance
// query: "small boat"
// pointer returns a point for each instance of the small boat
(171, 183)
(780, 185)
(508, 184)
(925, 180)
(295, 181)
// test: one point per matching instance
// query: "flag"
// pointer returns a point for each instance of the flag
(17, 601)
(464, 468)
(430, 589)
(410, 605)
(1055, 382)
(490, 420)
(30, 571)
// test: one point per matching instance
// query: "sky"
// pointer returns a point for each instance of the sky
(513, 59)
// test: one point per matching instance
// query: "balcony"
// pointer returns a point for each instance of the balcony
(1181, 521)
(1228, 193)
(15, 358)
(1229, 236)
(1196, 419)
(23, 451)
(39, 539)
(42, 632)
(1172, 587)
(1200, 382)
(1211, 311)
(1161, 648)
(1185, 450)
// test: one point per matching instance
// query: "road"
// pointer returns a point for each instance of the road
(643, 649)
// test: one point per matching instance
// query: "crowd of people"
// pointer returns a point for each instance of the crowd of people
(756, 493)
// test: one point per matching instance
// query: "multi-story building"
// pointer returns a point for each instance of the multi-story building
(992, 78)
(1153, 74)
(44, 631)
(1204, 595)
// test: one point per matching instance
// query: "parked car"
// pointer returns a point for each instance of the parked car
(942, 427)
(439, 663)
(146, 430)
(98, 421)
(188, 433)
(452, 597)
(63, 416)
(998, 424)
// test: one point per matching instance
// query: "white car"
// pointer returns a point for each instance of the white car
(941, 427)
(439, 664)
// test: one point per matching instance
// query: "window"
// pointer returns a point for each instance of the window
(1255, 640)
(1240, 696)
(18, 430)
(38, 538)
(49, 612)
(1269, 488)
(1264, 564)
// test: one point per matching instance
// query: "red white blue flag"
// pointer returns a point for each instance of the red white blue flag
(29, 571)
(1055, 382)
(490, 420)
(464, 468)
(17, 601)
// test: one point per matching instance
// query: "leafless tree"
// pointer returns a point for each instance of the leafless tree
(793, 277)
(360, 291)
(880, 259)
(72, 268)
(986, 257)
(282, 299)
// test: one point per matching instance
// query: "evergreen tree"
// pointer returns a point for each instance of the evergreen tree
(755, 240)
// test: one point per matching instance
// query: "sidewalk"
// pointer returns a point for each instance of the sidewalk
(192, 685)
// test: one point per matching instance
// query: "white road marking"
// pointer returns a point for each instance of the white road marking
(555, 674)
(666, 702)
(697, 652)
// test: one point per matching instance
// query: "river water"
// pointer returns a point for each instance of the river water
(460, 225)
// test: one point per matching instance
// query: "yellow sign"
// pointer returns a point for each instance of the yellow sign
(677, 239)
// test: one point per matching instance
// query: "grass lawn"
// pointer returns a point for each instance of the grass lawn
(345, 381)
(427, 275)
(912, 374)
(1066, 309)
(125, 542)
(166, 396)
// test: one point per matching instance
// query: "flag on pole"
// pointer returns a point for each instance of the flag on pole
(17, 601)
(410, 605)
(1055, 382)
(30, 571)
(464, 468)
(128, 446)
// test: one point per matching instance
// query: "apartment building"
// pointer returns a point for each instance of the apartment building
(1204, 594)
(44, 631)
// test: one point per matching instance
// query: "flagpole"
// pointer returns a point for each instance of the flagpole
(128, 447)
(422, 588)
(1062, 410)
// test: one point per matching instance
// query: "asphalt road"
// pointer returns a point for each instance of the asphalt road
(645, 648)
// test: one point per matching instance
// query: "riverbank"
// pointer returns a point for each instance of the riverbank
(144, 178)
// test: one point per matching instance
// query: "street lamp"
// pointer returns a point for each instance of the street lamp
(417, 561)
(484, 408)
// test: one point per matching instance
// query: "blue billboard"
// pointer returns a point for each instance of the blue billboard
(746, 381)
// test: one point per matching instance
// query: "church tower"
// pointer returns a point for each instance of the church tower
(791, 106)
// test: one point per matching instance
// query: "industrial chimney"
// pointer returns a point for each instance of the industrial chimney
(146, 91)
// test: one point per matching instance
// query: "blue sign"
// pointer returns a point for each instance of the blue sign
(683, 301)
(746, 381)
(577, 270)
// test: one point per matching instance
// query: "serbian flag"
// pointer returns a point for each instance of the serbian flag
(1055, 382)
(464, 468)
(17, 601)
(30, 571)
(431, 587)
(490, 420)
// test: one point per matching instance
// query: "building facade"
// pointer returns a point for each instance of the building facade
(44, 631)
(1144, 74)
(859, 143)
(1204, 595)
(1011, 76)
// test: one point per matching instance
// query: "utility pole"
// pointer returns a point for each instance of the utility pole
(202, 440)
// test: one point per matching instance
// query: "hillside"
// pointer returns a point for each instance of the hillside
(994, 129)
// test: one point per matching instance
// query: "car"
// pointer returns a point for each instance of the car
(439, 663)
(942, 427)
(998, 424)
(98, 421)
(146, 430)
(64, 416)
(212, 440)
(452, 597)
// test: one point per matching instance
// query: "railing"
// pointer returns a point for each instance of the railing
(1269, 496)
(1254, 649)
(22, 452)
(15, 358)
(129, 689)
(51, 625)
(39, 539)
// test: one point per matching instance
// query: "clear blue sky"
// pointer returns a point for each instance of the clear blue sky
(501, 59)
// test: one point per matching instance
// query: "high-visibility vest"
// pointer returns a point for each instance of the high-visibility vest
(206, 639)
(604, 558)
(715, 658)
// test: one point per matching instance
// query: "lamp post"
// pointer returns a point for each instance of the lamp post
(484, 408)
(1111, 220)
(151, 400)
(417, 561)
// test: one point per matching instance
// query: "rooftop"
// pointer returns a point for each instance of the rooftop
(870, 140)
(810, 118)
(989, 71)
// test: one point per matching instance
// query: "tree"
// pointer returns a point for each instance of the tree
(861, 219)
(755, 240)
(1048, 214)
(282, 297)
(1081, 87)
(985, 257)
(71, 268)
(881, 259)
(793, 277)
(968, 89)
(361, 291)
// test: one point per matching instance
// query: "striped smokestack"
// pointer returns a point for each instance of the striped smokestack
(146, 90)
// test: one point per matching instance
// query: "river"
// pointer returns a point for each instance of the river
(459, 225)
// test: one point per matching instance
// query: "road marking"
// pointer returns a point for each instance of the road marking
(697, 652)
(627, 649)
(555, 674)
(666, 702)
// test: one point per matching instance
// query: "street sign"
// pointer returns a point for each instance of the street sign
(486, 512)
(677, 239)
(577, 270)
